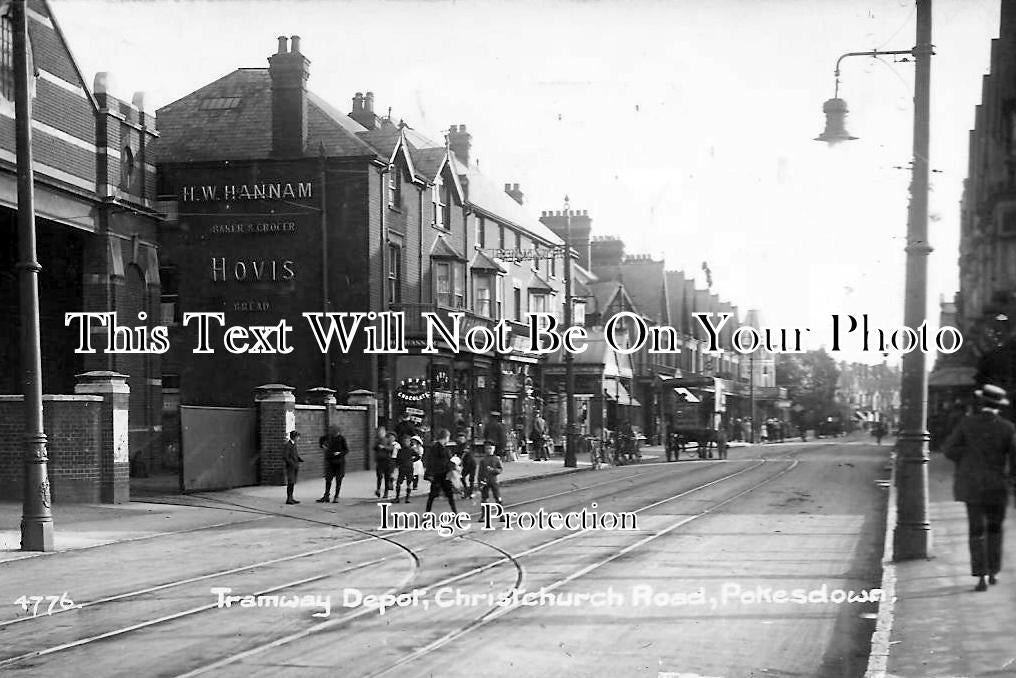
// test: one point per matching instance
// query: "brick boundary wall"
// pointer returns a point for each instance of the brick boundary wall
(74, 438)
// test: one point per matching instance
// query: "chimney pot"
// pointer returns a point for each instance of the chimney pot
(515, 187)
(368, 102)
(283, 47)
(507, 188)
(102, 82)
(294, 44)
(462, 128)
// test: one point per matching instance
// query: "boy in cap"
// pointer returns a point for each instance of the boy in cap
(406, 458)
(291, 461)
(489, 469)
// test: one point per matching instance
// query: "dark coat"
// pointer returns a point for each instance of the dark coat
(291, 460)
(436, 462)
(494, 431)
(335, 447)
(983, 445)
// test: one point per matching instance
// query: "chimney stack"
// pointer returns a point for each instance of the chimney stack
(513, 191)
(581, 230)
(363, 110)
(289, 70)
(459, 141)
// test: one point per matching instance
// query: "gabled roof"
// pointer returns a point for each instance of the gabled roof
(539, 283)
(646, 282)
(481, 262)
(607, 294)
(442, 249)
(190, 130)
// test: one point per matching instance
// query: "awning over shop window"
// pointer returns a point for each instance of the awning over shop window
(616, 392)
(686, 396)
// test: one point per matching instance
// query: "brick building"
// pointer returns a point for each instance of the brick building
(985, 306)
(284, 206)
(96, 230)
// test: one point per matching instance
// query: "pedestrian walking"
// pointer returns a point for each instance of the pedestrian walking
(335, 450)
(540, 438)
(468, 468)
(407, 456)
(983, 446)
(490, 468)
(437, 467)
(721, 443)
(291, 462)
(385, 452)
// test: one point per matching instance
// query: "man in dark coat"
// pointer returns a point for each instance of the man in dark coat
(291, 462)
(983, 445)
(437, 464)
(335, 450)
(494, 431)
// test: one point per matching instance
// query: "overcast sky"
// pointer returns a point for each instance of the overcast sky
(684, 127)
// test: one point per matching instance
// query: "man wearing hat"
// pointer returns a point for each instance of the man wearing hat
(494, 431)
(983, 446)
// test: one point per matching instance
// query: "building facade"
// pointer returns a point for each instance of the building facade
(96, 229)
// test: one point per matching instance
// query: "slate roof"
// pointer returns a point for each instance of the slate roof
(442, 249)
(490, 197)
(190, 132)
(645, 281)
(538, 282)
(605, 293)
(481, 262)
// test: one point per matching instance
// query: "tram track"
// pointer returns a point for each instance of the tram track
(504, 558)
(491, 615)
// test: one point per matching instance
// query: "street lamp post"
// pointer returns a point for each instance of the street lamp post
(36, 518)
(912, 535)
(569, 359)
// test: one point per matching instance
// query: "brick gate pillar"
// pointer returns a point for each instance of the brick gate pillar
(276, 418)
(366, 399)
(114, 450)
(322, 395)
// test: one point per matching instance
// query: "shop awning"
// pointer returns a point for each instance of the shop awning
(686, 396)
(616, 392)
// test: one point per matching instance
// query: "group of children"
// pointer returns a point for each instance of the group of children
(411, 462)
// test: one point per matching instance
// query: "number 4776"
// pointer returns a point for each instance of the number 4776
(34, 602)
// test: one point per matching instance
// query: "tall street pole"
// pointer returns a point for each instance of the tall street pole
(569, 360)
(912, 537)
(36, 517)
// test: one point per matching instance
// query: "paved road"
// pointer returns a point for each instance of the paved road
(693, 592)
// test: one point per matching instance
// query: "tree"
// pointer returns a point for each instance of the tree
(810, 379)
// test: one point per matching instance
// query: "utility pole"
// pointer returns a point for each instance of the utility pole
(36, 516)
(569, 360)
(912, 537)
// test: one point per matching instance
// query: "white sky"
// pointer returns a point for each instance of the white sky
(684, 127)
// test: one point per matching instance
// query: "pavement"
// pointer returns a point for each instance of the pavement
(933, 625)
(78, 526)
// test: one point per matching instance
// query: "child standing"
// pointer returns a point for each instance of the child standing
(489, 469)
